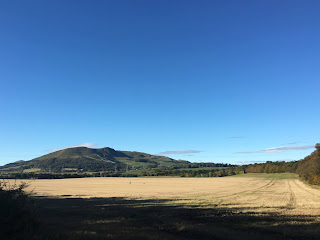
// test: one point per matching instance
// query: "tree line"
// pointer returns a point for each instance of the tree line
(308, 168)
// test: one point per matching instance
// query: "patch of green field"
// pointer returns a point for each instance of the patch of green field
(8, 171)
(30, 170)
(269, 175)
(70, 169)
(202, 168)
(11, 168)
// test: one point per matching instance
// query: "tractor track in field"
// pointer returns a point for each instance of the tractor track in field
(251, 191)
(292, 200)
(305, 189)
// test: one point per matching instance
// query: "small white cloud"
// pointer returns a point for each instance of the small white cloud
(80, 145)
(280, 149)
(180, 152)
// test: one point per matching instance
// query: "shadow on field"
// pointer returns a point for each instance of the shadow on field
(119, 218)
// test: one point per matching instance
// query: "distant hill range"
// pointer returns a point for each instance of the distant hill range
(93, 160)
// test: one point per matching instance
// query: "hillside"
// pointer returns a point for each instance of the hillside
(92, 160)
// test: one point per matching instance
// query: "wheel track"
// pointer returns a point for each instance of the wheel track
(292, 200)
(248, 192)
(228, 190)
(306, 190)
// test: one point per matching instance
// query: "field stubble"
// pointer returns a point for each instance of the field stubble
(226, 208)
(281, 195)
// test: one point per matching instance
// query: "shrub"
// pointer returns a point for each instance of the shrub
(17, 214)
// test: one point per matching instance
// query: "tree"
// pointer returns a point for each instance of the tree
(318, 147)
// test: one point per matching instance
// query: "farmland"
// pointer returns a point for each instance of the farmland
(263, 206)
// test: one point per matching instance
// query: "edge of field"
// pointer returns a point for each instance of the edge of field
(268, 175)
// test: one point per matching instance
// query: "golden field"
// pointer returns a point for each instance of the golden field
(251, 206)
(288, 196)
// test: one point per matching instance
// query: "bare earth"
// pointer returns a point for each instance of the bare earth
(285, 196)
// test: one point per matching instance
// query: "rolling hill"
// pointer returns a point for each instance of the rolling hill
(93, 160)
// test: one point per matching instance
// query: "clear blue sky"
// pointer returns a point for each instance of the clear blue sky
(210, 81)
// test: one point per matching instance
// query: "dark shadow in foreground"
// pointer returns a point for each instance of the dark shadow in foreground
(119, 218)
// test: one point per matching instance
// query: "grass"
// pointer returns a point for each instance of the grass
(203, 168)
(268, 175)
(30, 170)
(9, 168)
(15, 169)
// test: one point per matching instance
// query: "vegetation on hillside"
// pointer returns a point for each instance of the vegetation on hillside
(182, 170)
(83, 159)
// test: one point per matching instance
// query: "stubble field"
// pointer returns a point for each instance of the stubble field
(251, 207)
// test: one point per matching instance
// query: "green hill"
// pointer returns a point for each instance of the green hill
(92, 160)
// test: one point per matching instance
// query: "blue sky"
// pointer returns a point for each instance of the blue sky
(210, 81)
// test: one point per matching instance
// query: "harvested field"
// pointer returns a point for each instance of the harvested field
(182, 208)
(281, 195)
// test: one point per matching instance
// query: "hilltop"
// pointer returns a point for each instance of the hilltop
(92, 160)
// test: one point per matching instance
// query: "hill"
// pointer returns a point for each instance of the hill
(92, 160)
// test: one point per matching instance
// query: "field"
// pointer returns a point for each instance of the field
(255, 206)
